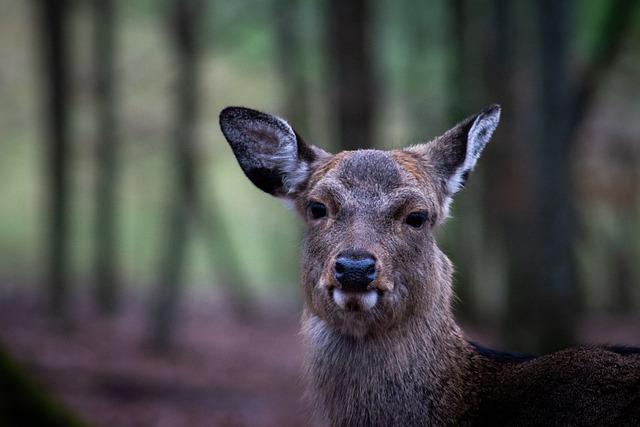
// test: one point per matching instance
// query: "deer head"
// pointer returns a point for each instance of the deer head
(370, 261)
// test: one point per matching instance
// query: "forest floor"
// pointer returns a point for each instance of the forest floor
(221, 371)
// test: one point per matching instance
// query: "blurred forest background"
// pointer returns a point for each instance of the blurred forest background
(145, 281)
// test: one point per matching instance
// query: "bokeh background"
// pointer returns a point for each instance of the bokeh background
(145, 282)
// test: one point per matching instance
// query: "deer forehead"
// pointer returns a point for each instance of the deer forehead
(373, 179)
(370, 169)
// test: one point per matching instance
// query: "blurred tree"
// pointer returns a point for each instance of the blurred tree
(352, 80)
(556, 219)
(467, 50)
(466, 66)
(188, 210)
(229, 274)
(509, 175)
(53, 28)
(421, 43)
(105, 262)
(531, 208)
(617, 20)
(185, 20)
(290, 53)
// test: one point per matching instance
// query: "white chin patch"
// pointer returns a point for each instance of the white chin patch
(355, 301)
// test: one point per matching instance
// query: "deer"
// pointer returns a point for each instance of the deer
(383, 347)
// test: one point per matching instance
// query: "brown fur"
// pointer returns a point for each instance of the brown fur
(410, 163)
(405, 361)
(324, 167)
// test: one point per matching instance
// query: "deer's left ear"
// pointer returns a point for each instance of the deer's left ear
(454, 154)
(271, 154)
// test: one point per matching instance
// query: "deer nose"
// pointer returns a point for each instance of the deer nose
(354, 270)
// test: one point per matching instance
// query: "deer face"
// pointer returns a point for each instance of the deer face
(369, 260)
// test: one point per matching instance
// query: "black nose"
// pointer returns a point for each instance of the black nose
(354, 270)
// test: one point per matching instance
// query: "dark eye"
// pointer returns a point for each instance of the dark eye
(318, 210)
(416, 219)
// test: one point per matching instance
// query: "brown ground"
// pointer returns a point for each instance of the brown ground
(222, 372)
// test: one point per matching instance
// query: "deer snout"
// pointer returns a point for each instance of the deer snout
(355, 270)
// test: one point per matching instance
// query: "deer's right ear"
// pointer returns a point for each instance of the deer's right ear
(455, 153)
(269, 151)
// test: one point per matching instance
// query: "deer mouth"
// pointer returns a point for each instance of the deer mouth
(355, 300)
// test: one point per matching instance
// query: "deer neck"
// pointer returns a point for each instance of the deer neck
(411, 373)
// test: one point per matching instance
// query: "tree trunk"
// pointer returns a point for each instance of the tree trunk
(186, 18)
(530, 200)
(105, 262)
(509, 166)
(290, 54)
(557, 218)
(53, 38)
(421, 41)
(531, 197)
(351, 61)
(464, 242)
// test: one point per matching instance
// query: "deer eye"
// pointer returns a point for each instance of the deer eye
(416, 219)
(318, 210)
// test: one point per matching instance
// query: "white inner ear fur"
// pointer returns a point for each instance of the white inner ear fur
(479, 135)
(294, 171)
